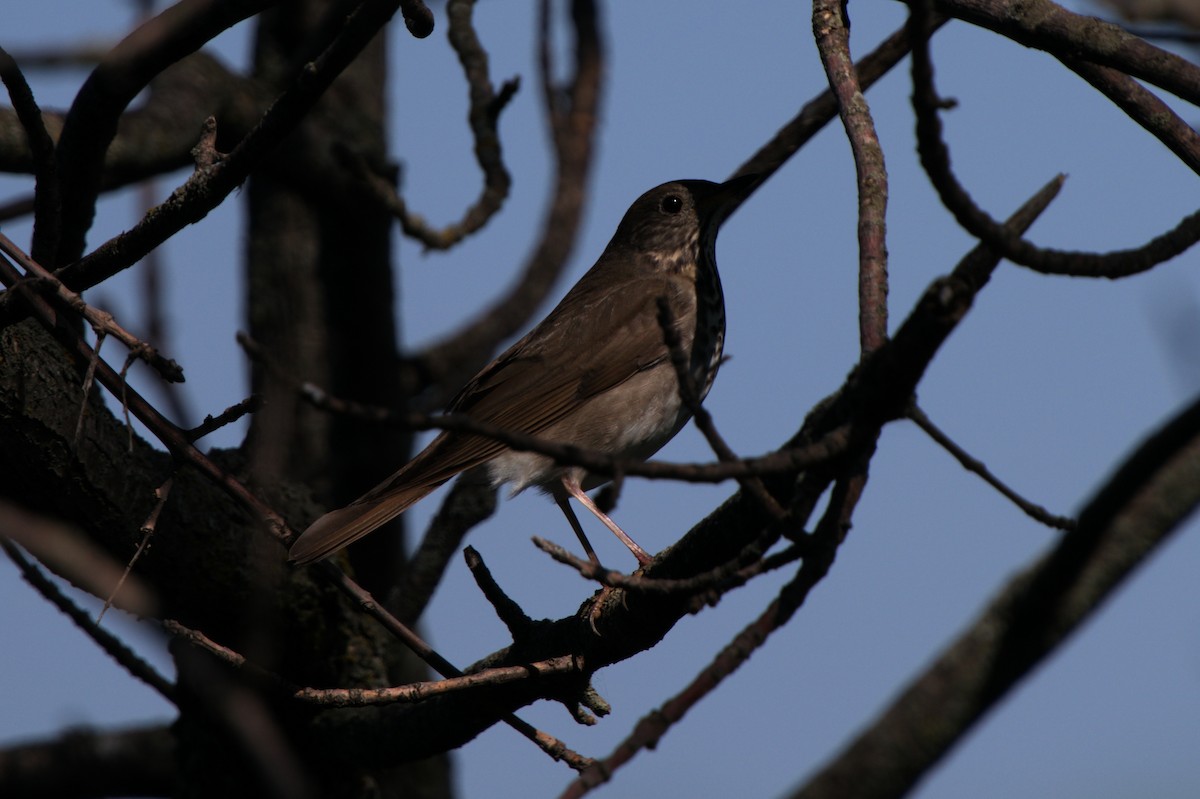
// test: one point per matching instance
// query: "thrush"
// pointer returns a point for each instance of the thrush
(596, 373)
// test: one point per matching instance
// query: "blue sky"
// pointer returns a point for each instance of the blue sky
(1049, 380)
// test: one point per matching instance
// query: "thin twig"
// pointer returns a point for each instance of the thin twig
(419, 691)
(112, 645)
(364, 697)
(102, 322)
(700, 415)
(235, 660)
(89, 379)
(252, 404)
(971, 464)
(160, 496)
(651, 728)
(778, 462)
(1148, 498)
(718, 580)
(129, 359)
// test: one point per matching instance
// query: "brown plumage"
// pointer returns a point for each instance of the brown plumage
(595, 373)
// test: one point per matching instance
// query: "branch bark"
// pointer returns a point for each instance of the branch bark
(1151, 494)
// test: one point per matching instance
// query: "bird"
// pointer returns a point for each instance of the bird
(596, 373)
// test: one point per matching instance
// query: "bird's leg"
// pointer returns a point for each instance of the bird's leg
(571, 484)
(571, 487)
(565, 504)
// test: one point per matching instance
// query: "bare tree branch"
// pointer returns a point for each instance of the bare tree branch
(483, 118)
(832, 32)
(134, 762)
(217, 574)
(207, 188)
(91, 124)
(935, 159)
(1045, 25)
(1144, 108)
(572, 113)
(1034, 511)
(819, 111)
(111, 644)
(102, 322)
(1149, 497)
(41, 149)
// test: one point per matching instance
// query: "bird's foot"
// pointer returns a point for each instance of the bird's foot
(598, 607)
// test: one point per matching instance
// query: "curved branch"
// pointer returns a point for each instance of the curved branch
(483, 118)
(91, 124)
(572, 118)
(154, 137)
(208, 187)
(935, 159)
(1143, 107)
(41, 149)
(1045, 25)
(832, 32)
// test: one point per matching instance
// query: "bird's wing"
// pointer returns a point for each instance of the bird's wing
(541, 378)
(587, 346)
(590, 343)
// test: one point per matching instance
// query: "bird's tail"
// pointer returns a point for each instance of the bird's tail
(344, 526)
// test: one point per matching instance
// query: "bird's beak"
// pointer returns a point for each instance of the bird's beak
(725, 198)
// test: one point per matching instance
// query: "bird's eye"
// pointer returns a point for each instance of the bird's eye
(671, 204)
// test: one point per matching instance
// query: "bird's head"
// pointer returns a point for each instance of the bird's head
(671, 222)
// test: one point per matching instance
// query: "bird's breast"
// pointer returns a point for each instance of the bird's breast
(708, 343)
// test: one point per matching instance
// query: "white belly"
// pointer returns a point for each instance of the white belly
(662, 416)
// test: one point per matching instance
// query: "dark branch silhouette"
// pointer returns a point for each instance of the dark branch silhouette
(315, 681)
